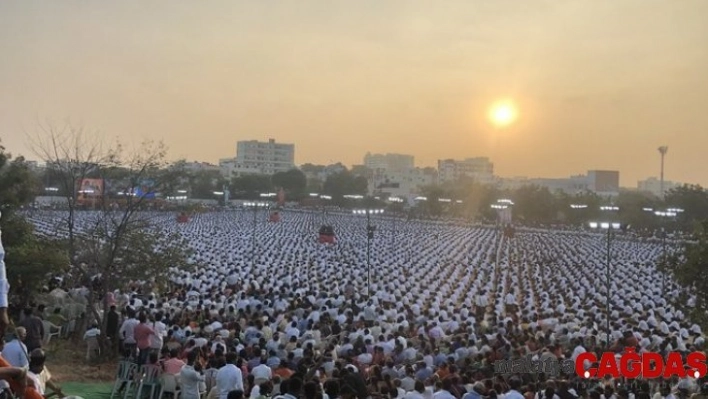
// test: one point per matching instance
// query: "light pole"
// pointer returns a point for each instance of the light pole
(669, 213)
(324, 198)
(255, 206)
(394, 202)
(503, 207)
(369, 236)
(609, 226)
(663, 150)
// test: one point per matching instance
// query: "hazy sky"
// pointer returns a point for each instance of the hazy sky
(598, 83)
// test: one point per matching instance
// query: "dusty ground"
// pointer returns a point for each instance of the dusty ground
(67, 363)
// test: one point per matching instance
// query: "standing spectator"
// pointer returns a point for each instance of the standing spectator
(143, 334)
(112, 326)
(229, 378)
(160, 331)
(261, 374)
(127, 333)
(174, 364)
(190, 378)
(35, 330)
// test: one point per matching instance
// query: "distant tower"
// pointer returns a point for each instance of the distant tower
(662, 150)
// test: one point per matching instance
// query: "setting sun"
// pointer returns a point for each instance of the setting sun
(502, 114)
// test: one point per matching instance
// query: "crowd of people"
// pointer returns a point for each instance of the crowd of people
(420, 310)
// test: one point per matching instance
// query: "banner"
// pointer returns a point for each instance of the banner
(145, 189)
(90, 188)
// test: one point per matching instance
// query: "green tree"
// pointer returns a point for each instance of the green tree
(29, 260)
(250, 186)
(693, 199)
(203, 183)
(631, 209)
(293, 182)
(690, 269)
(534, 204)
(344, 183)
(578, 216)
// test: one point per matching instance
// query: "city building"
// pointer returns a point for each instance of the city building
(197, 166)
(481, 169)
(258, 157)
(389, 162)
(604, 182)
(401, 183)
(653, 185)
(320, 173)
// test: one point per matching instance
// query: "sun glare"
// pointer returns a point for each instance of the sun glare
(502, 114)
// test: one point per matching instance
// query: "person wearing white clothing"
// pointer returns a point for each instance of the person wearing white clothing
(190, 378)
(229, 378)
(261, 374)
(4, 289)
(157, 340)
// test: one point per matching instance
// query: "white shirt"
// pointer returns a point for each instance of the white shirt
(510, 299)
(93, 332)
(443, 394)
(35, 380)
(189, 382)
(156, 340)
(228, 378)
(127, 330)
(262, 372)
(15, 352)
(413, 395)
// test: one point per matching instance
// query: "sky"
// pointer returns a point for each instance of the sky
(598, 84)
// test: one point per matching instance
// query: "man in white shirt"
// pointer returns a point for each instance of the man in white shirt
(127, 333)
(229, 378)
(160, 329)
(261, 374)
(190, 378)
(92, 332)
(15, 351)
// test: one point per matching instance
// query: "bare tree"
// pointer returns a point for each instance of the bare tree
(71, 154)
(118, 241)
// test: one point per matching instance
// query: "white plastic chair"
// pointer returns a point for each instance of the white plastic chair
(169, 385)
(50, 330)
(150, 380)
(125, 379)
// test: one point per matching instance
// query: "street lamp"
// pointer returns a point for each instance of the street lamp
(394, 202)
(609, 226)
(669, 213)
(501, 206)
(369, 236)
(255, 206)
